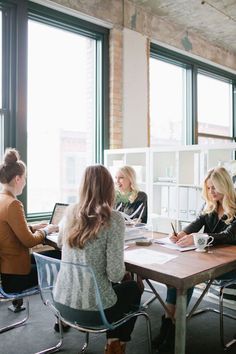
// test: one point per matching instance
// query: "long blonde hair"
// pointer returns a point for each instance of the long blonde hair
(223, 183)
(93, 211)
(129, 172)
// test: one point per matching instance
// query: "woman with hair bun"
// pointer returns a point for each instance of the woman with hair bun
(17, 267)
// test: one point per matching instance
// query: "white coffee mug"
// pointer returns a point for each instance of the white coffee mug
(201, 241)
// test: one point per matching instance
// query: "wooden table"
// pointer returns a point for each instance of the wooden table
(187, 270)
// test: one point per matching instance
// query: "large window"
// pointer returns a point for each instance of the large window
(214, 98)
(190, 102)
(167, 103)
(57, 115)
(61, 112)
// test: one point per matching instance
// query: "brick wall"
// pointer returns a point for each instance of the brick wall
(116, 85)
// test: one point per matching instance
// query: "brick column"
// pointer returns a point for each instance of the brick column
(116, 88)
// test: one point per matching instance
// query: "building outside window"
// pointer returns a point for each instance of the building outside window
(167, 103)
(54, 102)
(61, 110)
(190, 102)
(214, 97)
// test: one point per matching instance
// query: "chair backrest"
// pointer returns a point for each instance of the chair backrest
(76, 288)
(47, 269)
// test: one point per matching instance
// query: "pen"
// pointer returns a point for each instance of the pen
(173, 228)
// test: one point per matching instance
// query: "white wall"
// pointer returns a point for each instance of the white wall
(135, 90)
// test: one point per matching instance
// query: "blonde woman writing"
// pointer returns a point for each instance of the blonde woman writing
(218, 220)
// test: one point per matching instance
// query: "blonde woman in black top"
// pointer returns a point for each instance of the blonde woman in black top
(218, 220)
(129, 199)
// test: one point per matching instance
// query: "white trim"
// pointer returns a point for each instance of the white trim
(75, 13)
(194, 56)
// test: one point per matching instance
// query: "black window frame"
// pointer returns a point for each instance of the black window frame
(193, 67)
(14, 67)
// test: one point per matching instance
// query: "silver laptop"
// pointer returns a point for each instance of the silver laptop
(57, 215)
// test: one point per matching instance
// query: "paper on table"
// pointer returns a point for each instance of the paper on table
(166, 242)
(143, 256)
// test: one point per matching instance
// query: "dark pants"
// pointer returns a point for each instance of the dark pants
(128, 299)
(15, 283)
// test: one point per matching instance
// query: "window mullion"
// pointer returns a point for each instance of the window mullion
(234, 109)
(189, 107)
(194, 106)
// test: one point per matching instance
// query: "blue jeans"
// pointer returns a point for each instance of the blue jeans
(172, 293)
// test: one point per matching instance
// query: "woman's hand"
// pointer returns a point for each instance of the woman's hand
(36, 227)
(185, 241)
(52, 228)
(175, 238)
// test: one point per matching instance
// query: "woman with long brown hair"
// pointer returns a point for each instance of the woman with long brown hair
(93, 233)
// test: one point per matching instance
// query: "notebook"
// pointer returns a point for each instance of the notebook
(166, 242)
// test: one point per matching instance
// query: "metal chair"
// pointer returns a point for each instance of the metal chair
(85, 320)
(221, 288)
(8, 297)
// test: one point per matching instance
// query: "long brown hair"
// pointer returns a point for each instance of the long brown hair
(12, 166)
(93, 211)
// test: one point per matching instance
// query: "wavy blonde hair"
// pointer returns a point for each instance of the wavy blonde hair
(129, 172)
(223, 184)
(93, 211)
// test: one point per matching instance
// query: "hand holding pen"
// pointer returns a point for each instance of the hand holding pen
(174, 236)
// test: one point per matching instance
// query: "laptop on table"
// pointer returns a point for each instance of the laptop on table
(57, 215)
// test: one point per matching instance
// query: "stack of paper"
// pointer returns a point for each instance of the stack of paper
(135, 232)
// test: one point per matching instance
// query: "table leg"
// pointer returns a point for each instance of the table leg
(180, 330)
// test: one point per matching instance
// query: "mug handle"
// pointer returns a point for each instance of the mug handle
(211, 238)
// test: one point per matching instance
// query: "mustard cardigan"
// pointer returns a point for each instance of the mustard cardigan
(16, 239)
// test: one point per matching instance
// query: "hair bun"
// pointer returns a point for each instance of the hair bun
(11, 156)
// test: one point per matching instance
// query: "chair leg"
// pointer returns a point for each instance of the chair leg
(85, 346)
(18, 323)
(149, 333)
(229, 344)
(56, 347)
(221, 313)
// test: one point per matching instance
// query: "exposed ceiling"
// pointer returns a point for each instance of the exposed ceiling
(214, 20)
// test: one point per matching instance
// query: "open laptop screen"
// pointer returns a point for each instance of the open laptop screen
(58, 212)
